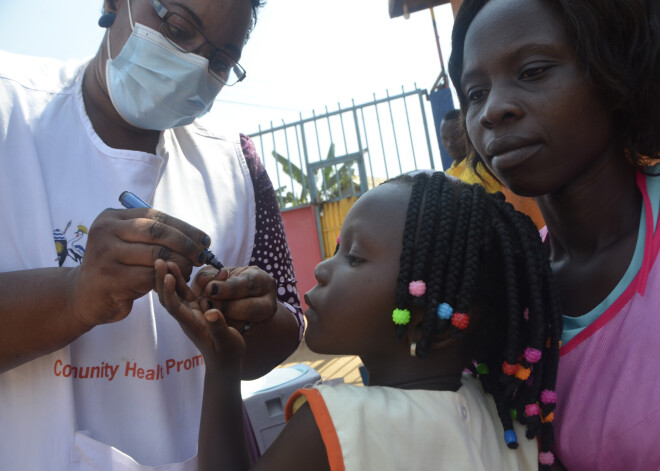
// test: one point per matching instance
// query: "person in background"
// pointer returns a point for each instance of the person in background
(561, 102)
(454, 140)
(93, 371)
(432, 277)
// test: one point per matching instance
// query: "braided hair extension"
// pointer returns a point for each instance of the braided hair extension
(485, 261)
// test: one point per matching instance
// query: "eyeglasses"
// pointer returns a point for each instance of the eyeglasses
(186, 37)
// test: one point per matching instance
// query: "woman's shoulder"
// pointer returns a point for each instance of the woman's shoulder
(38, 74)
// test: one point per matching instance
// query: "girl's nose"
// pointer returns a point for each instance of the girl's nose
(321, 272)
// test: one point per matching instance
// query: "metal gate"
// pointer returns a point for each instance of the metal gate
(340, 154)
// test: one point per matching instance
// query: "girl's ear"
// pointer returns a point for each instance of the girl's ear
(441, 340)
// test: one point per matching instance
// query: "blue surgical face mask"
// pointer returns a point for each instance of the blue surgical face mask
(153, 85)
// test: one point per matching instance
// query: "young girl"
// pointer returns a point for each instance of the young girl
(433, 277)
(561, 102)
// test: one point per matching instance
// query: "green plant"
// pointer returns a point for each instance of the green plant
(334, 183)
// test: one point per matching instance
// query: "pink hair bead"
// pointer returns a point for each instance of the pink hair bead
(417, 288)
(532, 355)
(532, 409)
(548, 397)
(338, 238)
(546, 458)
(526, 314)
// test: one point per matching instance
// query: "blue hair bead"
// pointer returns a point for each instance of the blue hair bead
(445, 311)
(511, 439)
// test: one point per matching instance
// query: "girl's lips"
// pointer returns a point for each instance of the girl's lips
(513, 157)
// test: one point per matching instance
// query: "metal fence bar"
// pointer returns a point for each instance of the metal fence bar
(396, 141)
(334, 113)
(339, 178)
(426, 127)
(380, 133)
(412, 144)
(366, 142)
(303, 183)
(364, 185)
(337, 182)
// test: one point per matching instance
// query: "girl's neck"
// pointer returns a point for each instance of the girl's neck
(430, 384)
(415, 373)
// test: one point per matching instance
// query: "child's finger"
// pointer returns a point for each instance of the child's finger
(227, 340)
(161, 270)
(216, 323)
(186, 316)
(181, 287)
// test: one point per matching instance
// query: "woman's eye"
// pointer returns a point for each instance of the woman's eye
(532, 72)
(475, 95)
(219, 65)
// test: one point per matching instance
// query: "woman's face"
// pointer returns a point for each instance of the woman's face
(531, 113)
(225, 23)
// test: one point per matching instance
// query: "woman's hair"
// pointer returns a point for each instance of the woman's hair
(255, 4)
(485, 263)
(617, 43)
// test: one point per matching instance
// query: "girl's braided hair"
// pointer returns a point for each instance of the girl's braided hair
(477, 254)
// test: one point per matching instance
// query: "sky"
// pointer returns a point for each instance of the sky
(303, 55)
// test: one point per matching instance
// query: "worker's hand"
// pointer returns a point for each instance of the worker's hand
(244, 295)
(118, 265)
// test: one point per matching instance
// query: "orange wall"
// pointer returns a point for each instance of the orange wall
(303, 238)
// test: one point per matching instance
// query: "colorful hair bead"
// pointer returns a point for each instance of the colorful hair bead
(532, 409)
(445, 311)
(338, 239)
(548, 418)
(417, 288)
(460, 321)
(523, 373)
(546, 458)
(513, 413)
(511, 439)
(548, 396)
(509, 369)
(482, 369)
(401, 316)
(526, 314)
(532, 355)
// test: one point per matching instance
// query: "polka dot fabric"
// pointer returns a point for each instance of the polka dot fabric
(271, 251)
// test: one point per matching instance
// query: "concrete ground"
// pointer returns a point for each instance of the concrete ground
(328, 366)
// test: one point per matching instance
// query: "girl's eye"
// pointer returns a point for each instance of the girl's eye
(353, 261)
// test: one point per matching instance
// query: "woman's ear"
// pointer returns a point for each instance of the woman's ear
(110, 6)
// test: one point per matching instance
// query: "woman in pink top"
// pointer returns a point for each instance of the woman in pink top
(561, 102)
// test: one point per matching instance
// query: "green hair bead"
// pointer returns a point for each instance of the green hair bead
(401, 316)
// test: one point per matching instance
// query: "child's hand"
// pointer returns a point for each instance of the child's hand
(218, 343)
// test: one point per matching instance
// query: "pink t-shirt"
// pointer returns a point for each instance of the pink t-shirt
(608, 414)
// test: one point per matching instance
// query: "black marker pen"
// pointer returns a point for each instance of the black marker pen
(130, 200)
